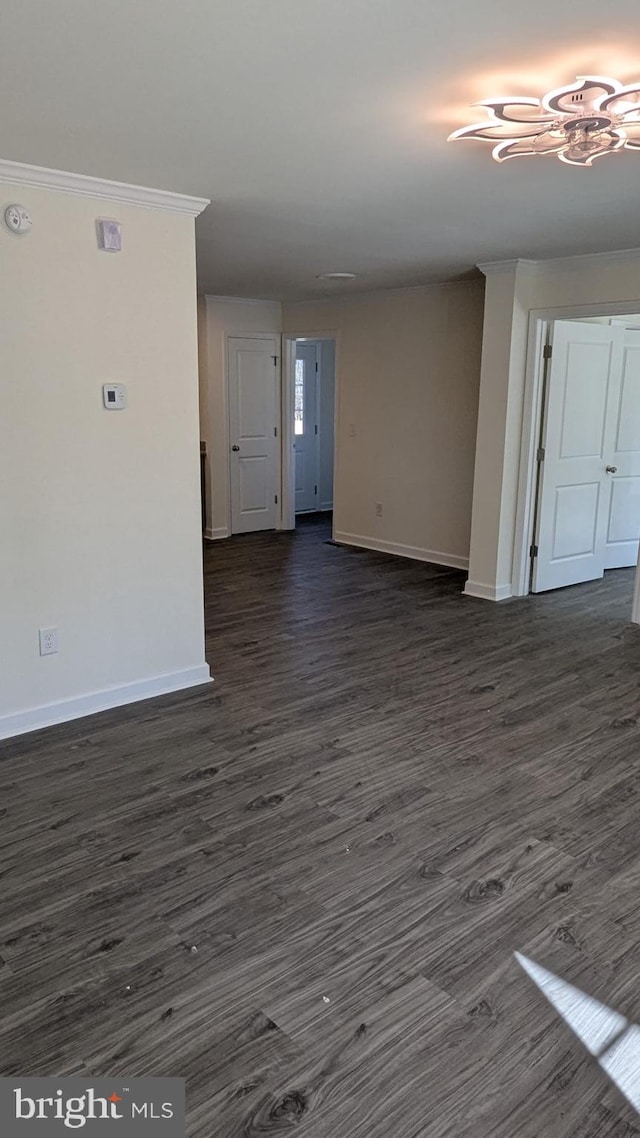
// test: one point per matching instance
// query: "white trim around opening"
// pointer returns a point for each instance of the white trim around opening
(541, 322)
(288, 458)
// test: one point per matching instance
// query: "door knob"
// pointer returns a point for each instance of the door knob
(234, 447)
(611, 469)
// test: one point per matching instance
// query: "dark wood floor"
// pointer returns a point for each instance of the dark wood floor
(301, 887)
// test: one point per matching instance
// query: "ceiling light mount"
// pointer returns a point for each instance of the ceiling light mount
(592, 117)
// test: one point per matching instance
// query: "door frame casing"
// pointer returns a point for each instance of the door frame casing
(541, 321)
(288, 494)
(318, 426)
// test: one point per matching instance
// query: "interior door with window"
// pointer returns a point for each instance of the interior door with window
(253, 369)
(306, 438)
(589, 485)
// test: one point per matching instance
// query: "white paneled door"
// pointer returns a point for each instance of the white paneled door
(589, 489)
(306, 438)
(623, 451)
(254, 370)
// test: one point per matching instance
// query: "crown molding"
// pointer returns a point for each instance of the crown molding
(382, 293)
(585, 260)
(240, 299)
(492, 268)
(20, 174)
(562, 264)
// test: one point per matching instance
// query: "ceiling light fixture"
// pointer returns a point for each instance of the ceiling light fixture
(336, 277)
(579, 123)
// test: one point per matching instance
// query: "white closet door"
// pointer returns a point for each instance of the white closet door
(253, 421)
(576, 490)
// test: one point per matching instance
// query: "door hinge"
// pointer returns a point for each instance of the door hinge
(547, 352)
(316, 429)
(315, 489)
(316, 365)
(540, 454)
(275, 498)
(533, 551)
(275, 361)
(275, 431)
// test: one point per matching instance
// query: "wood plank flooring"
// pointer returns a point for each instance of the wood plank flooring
(301, 887)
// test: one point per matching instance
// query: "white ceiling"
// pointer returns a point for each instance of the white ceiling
(318, 127)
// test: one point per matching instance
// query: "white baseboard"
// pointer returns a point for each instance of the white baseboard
(487, 592)
(436, 557)
(217, 533)
(66, 709)
(324, 506)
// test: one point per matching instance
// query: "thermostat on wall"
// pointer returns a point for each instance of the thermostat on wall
(114, 396)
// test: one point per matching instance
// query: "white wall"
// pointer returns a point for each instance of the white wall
(99, 511)
(516, 291)
(218, 318)
(495, 488)
(408, 366)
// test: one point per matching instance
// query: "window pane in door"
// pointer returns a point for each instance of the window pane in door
(298, 413)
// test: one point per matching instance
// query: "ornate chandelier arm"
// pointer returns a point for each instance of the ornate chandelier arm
(498, 108)
(564, 99)
(524, 147)
(494, 132)
(631, 132)
(615, 104)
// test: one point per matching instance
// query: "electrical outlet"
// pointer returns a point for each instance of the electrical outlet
(48, 641)
(378, 509)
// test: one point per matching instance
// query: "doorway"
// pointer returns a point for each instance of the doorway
(585, 481)
(299, 496)
(282, 408)
(313, 425)
(305, 426)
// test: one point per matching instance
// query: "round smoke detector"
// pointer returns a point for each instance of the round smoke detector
(17, 219)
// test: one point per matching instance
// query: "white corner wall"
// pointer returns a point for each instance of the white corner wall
(516, 292)
(99, 511)
(495, 489)
(407, 374)
(219, 318)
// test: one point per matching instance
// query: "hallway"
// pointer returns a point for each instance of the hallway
(301, 887)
